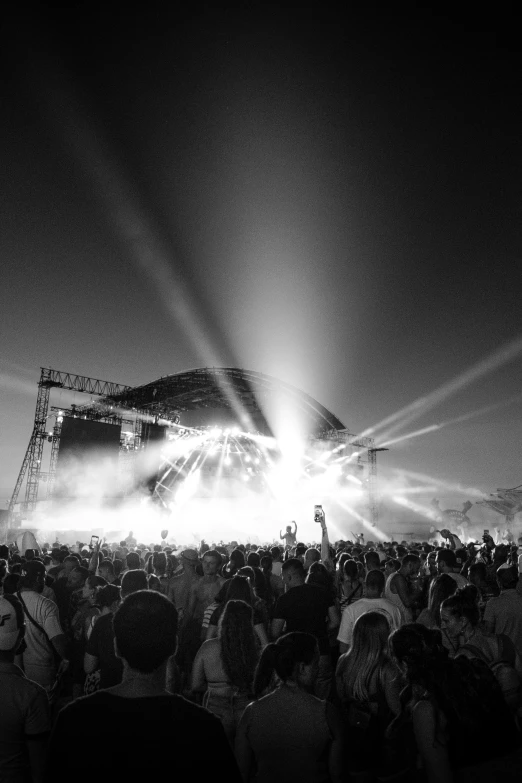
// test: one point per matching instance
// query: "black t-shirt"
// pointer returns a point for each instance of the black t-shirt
(127, 736)
(305, 608)
(101, 645)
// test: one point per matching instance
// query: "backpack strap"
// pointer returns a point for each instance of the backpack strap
(33, 621)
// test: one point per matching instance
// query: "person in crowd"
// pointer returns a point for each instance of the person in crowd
(10, 584)
(204, 591)
(447, 564)
(310, 609)
(25, 720)
(399, 589)
(312, 555)
(107, 571)
(239, 588)
(372, 602)
(181, 584)
(277, 560)
(372, 561)
(149, 718)
(440, 588)
(100, 654)
(46, 651)
(503, 615)
(224, 666)
(289, 728)
(351, 587)
(289, 536)
(453, 718)
(368, 685)
(236, 561)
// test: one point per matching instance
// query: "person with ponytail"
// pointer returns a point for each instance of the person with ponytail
(224, 667)
(453, 719)
(288, 728)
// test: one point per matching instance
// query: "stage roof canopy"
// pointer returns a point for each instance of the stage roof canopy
(239, 392)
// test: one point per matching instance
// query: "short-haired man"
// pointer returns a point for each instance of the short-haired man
(308, 608)
(204, 590)
(141, 710)
(399, 589)
(25, 722)
(373, 601)
(503, 615)
(44, 635)
(447, 564)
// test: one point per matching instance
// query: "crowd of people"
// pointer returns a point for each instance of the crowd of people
(349, 661)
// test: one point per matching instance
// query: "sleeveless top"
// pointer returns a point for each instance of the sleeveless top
(395, 598)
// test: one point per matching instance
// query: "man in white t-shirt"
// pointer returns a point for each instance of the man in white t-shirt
(44, 635)
(372, 602)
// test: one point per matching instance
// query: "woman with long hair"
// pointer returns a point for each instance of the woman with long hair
(224, 667)
(289, 728)
(453, 717)
(368, 686)
(238, 588)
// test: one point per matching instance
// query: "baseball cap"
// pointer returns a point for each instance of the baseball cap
(190, 554)
(11, 621)
(33, 567)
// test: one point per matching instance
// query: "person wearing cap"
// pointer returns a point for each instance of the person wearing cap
(25, 721)
(44, 636)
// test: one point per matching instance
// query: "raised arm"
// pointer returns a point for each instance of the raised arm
(325, 547)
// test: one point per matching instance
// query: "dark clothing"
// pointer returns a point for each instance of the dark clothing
(167, 731)
(101, 645)
(305, 608)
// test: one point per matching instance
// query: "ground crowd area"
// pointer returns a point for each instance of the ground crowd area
(338, 661)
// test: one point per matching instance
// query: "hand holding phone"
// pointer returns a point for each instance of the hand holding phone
(318, 514)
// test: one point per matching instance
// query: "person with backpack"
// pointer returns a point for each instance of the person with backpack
(453, 720)
(460, 621)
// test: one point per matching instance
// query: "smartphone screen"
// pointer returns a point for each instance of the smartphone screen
(94, 540)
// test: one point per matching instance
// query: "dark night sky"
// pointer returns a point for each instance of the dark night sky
(336, 201)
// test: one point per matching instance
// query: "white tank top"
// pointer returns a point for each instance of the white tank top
(407, 615)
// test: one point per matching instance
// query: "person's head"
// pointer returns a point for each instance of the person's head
(500, 554)
(288, 528)
(12, 626)
(77, 577)
(367, 652)
(238, 643)
(460, 614)
(410, 565)
(211, 562)
(108, 597)
(33, 576)
(276, 554)
(318, 575)
(446, 561)
(294, 657)
(507, 578)
(92, 583)
(106, 570)
(145, 630)
(292, 573)
(441, 588)
(253, 560)
(237, 559)
(372, 561)
(478, 574)
(311, 556)
(132, 581)
(159, 563)
(375, 581)
(391, 566)
(11, 583)
(266, 564)
(419, 653)
(69, 563)
(133, 561)
(351, 572)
